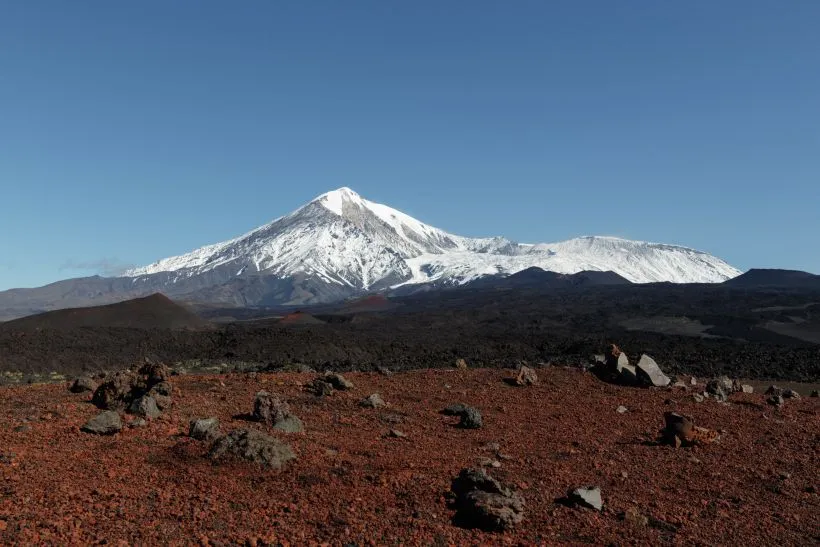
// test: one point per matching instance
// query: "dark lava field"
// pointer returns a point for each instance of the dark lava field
(705, 330)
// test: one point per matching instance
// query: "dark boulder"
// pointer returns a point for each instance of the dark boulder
(105, 423)
(84, 384)
(204, 429)
(252, 446)
(482, 502)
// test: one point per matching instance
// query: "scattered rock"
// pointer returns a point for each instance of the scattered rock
(615, 358)
(204, 429)
(105, 423)
(622, 409)
(163, 401)
(635, 518)
(162, 388)
(384, 371)
(482, 502)
(290, 424)
(145, 407)
(790, 394)
(650, 374)
(773, 390)
(693, 381)
(115, 391)
(83, 384)
(252, 446)
(461, 364)
(719, 388)
(337, 381)
(268, 408)
(320, 388)
(372, 401)
(526, 376)
(589, 497)
(697, 397)
(682, 431)
(456, 409)
(489, 462)
(470, 419)
(395, 433)
(746, 388)
(776, 400)
(138, 422)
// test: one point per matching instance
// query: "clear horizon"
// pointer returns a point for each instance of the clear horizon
(132, 133)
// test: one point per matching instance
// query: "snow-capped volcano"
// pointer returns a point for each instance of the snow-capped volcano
(344, 240)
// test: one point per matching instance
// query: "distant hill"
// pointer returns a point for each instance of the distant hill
(537, 277)
(155, 311)
(775, 278)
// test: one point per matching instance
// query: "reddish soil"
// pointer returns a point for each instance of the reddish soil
(300, 318)
(351, 484)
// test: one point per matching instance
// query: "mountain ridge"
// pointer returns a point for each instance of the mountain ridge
(341, 245)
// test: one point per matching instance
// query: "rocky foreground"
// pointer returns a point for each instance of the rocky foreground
(431, 457)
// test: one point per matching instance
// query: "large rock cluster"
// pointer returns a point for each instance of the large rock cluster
(482, 502)
(616, 369)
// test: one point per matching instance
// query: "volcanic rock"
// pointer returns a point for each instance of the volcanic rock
(456, 409)
(790, 394)
(776, 400)
(372, 401)
(320, 387)
(615, 358)
(589, 497)
(746, 388)
(204, 429)
(290, 424)
(719, 388)
(252, 446)
(682, 431)
(482, 502)
(161, 388)
(461, 364)
(116, 390)
(470, 418)
(145, 406)
(83, 384)
(105, 423)
(627, 375)
(269, 409)
(649, 373)
(526, 376)
(338, 381)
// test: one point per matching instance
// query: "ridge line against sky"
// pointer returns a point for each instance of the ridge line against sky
(134, 132)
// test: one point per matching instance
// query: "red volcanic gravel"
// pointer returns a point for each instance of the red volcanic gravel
(354, 484)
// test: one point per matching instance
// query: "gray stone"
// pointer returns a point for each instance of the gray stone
(649, 373)
(372, 401)
(269, 408)
(252, 446)
(589, 497)
(83, 384)
(163, 401)
(526, 376)
(470, 419)
(622, 409)
(790, 394)
(773, 390)
(456, 409)
(320, 388)
(697, 397)
(717, 389)
(145, 407)
(290, 424)
(482, 502)
(746, 388)
(775, 400)
(105, 423)
(338, 381)
(139, 422)
(162, 388)
(395, 433)
(693, 381)
(204, 429)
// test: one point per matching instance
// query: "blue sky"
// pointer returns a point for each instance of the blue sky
(131, 131)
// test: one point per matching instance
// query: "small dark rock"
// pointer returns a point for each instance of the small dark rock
(320, 388)
(526, 376)
(482, 502)
(269, 408)
(456, 409)
(790, 394)
(83, 384)
(105, 423)
(204, 429)
(372, 401)
(145, 407)
(252, 446)
(470, 419)
(338, 381)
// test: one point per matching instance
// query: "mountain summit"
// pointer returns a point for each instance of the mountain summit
(344, 239)
(341, 245)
